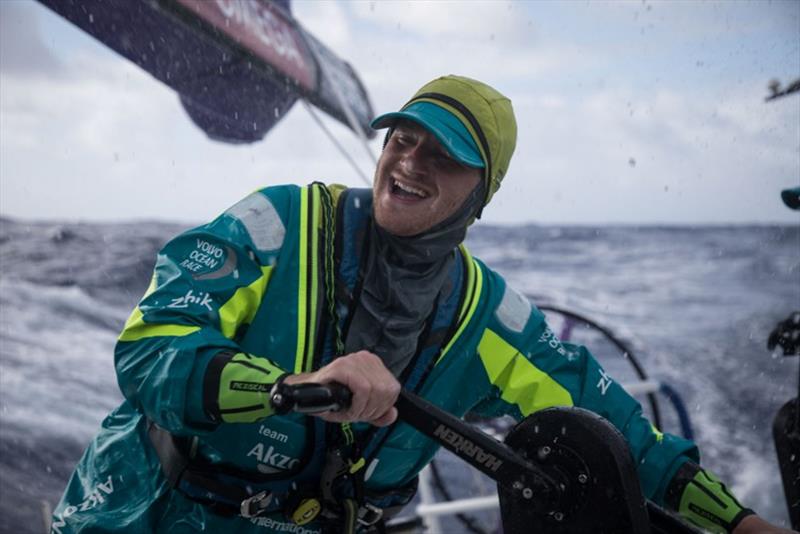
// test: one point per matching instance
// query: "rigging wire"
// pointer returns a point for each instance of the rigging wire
(348, 111)
(336, 143)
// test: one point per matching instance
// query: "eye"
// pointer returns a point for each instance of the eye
(444, 159)
(402, 138)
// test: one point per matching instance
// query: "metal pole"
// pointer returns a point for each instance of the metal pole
(490, 502)
(428, 499)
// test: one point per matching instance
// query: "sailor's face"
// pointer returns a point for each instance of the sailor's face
(417, 183)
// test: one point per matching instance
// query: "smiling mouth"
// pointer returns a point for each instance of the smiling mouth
(407, 191)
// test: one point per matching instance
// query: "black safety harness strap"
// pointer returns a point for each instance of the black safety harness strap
(342, 480)
(201, 484)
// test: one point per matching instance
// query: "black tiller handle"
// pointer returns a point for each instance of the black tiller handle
(310, 398)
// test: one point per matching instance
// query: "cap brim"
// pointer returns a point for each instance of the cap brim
(447, 136)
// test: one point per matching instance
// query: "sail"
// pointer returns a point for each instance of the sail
(238, 66)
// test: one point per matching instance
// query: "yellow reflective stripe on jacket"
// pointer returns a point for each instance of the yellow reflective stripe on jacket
(659, 435)
(313, 230)
(471, 268)
(301, 283)
(243, 305)
(239, 309)
(519, 380)
(136, 329)
(472, 292)
(308, 278)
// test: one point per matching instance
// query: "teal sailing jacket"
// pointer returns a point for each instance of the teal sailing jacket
(236, 303)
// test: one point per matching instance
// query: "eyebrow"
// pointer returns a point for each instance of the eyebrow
(408, 127)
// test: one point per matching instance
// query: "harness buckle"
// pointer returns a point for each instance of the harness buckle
(255, 505)
(369, 514)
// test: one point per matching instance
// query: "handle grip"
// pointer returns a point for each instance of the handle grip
(310, 398)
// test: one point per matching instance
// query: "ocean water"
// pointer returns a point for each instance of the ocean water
(695, 303)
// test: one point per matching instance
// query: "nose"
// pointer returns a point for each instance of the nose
(413, 162)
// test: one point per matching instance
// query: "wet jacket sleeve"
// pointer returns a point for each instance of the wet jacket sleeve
(531, 369)
(177, 359)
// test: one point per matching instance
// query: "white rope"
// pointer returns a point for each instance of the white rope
(336, 143)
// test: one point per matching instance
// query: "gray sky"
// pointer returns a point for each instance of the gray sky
(636, 112)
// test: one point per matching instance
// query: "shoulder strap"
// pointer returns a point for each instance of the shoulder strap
(316, 295)
(309, 289)
(352, 221)
(470, 297)
(330, 196)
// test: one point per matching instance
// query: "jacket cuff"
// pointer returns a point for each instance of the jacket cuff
(701, 498)
(237, 386)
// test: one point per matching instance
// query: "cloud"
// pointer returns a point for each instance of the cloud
(447, 19)
(617, 156)
(327, 21)
(22, 50)
(91, 111)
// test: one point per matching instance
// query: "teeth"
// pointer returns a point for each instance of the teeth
(409, 189)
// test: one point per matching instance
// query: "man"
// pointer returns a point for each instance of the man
(369, 289)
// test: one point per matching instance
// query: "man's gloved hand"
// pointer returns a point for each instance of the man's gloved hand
(700, 498)
(374, 388)
(787, 335)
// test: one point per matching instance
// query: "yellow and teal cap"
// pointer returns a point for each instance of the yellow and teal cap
(472, 120)
(450, 132)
